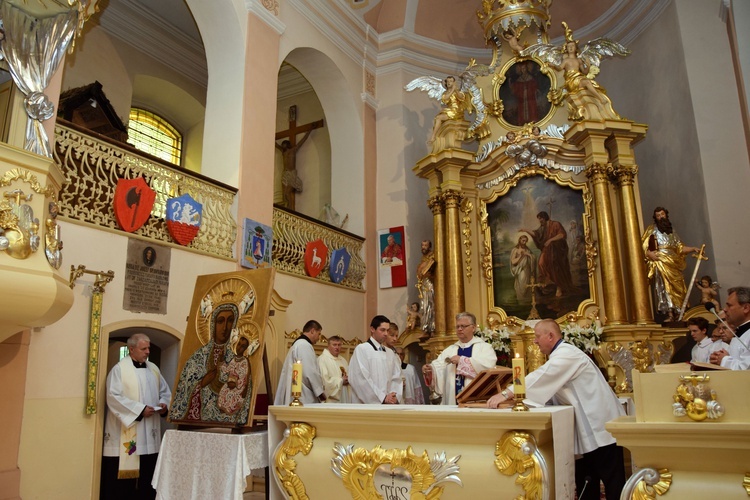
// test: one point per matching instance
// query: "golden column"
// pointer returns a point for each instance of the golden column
(454, 274)
(591, 136)
(438, 217)
(625, 170)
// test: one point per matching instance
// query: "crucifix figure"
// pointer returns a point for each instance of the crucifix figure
(290, 181)
(533, 314)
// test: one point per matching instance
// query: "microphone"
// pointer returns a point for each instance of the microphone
(712, 308)
(586, 482)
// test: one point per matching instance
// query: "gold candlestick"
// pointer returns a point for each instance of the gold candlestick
(520, 405)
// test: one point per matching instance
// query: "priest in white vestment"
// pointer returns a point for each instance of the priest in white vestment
(373, 377)
(413, 394)
(737, 310)
(137, 399)
(334, 371)
(312, 383)
(461, 362)
(570, 377)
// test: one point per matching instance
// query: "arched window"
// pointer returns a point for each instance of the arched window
(154, 135)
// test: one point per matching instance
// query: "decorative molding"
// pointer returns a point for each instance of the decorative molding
(370, 100)
(268, 12)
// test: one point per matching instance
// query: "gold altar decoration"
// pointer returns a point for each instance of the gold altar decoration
(367, 474)
(695, 399)
(95, 329)
(746, 483)
(467, 207)
(517, 453)
(35, 293)
(297, 438)
(571, 141)
(647, 484)
(690, 459)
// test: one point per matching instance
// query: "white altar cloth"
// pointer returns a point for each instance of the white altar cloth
(199, 465)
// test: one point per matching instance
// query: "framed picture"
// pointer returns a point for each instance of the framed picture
(392, 257)
(524, 93)
(257, 240)
(537, 230)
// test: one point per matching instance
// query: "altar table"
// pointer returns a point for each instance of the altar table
(207, 464)
(387, 451)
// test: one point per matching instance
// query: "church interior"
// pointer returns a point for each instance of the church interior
(304, 121)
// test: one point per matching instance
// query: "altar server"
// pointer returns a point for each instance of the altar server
(570, 377)
(334, 370)
(137, 398)
(460, 363)
(698, 328)
(737, 310)
(373, 377)
(413, 394)
(312, 383)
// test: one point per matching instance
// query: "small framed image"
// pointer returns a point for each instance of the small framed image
(392, 257)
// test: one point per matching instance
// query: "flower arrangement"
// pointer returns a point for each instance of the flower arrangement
(500, 341)
(586, 338)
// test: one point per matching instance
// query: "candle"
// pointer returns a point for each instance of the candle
(519, 375)
(297, 378)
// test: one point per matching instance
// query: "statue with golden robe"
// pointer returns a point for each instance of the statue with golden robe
(665, 261)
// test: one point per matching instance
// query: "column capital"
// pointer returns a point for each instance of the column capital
(625, 174)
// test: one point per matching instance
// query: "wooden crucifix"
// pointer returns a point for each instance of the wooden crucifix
(290, 181)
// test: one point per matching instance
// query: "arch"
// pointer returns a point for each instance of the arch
(222, 26)
(344, 122)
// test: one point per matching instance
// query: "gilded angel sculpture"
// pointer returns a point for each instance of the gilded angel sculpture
(457, 96)
(586, 98)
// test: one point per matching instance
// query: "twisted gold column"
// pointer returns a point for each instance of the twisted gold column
(639, 292)
(454, 275)
(609, 255)
(438, 217)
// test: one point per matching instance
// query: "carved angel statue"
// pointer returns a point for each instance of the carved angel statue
(457, 95)
(585, 97)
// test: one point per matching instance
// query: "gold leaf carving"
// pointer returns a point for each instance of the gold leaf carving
(649, 489)
(420, 476)
(297, 438)
(467, 207)
(513, 457)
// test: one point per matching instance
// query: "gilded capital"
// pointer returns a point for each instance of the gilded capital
(452, 198)
(598, 172)
(625, 174)
(436, 205)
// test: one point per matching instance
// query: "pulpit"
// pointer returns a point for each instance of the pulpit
(690, 436)
(381, 451)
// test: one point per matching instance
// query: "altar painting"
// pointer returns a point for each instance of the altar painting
(536, 234)
(221, 360)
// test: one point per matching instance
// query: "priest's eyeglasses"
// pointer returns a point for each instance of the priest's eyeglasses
(461, 327)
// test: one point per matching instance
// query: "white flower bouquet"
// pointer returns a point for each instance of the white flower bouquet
(586, 338)
(498, 339)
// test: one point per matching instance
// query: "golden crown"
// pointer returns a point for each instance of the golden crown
(498, 16)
